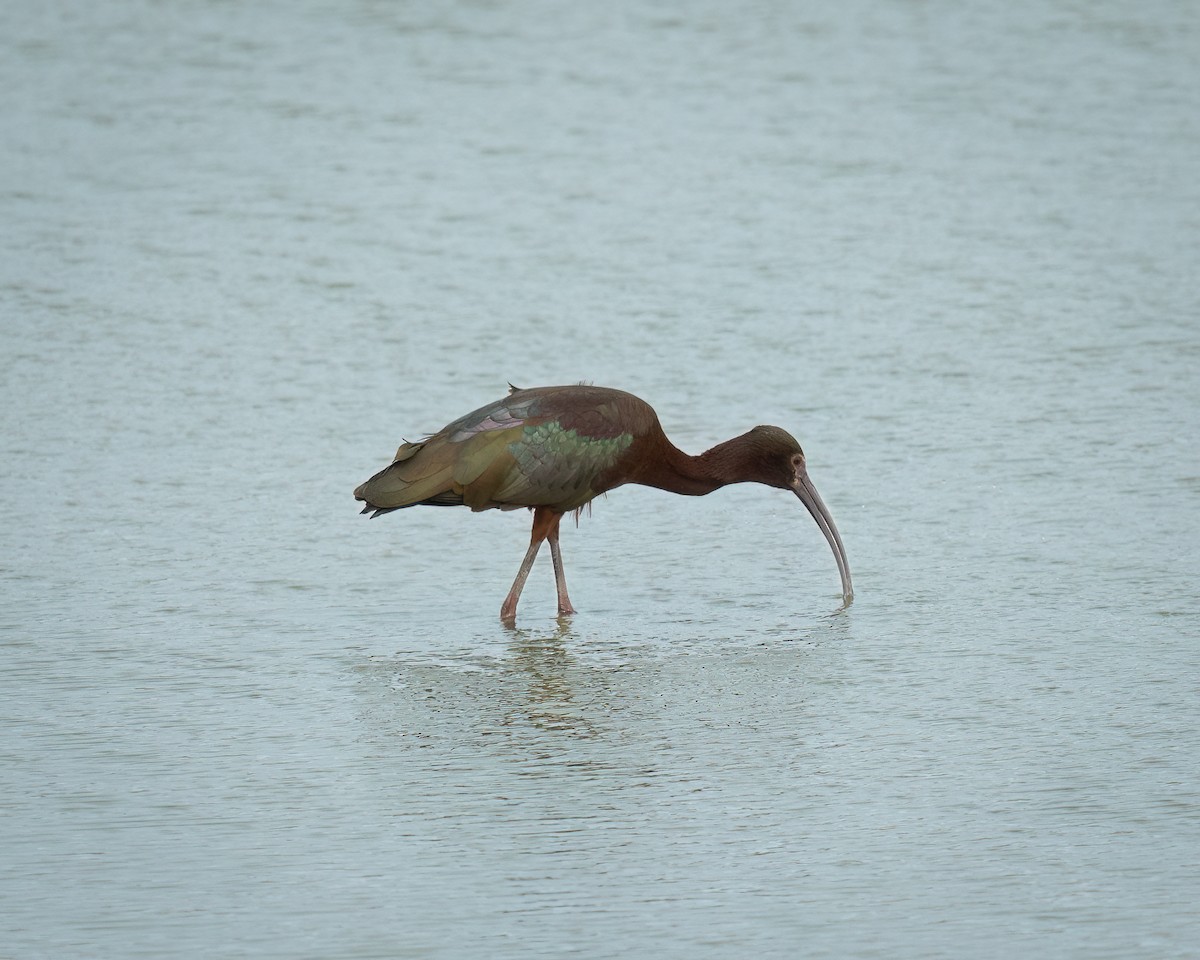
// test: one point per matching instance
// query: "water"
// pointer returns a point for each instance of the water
(248, 248)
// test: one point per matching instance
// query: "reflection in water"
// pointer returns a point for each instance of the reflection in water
(553, 701)
(544, 664)
(531, 702)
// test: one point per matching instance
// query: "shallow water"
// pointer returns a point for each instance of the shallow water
(247, 249)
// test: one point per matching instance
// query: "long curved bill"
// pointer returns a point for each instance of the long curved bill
(808, 495)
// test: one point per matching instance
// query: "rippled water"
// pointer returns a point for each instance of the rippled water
(247, 248)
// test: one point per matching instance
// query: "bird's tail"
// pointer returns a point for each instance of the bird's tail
(410, 480)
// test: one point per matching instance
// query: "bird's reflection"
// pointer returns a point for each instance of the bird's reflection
(544, 663)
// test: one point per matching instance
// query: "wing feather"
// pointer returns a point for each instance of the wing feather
(533, 448)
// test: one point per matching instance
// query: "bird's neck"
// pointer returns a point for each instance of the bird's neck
(691, 476)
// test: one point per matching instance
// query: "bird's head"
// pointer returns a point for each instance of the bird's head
(772, 455)
(778, 461)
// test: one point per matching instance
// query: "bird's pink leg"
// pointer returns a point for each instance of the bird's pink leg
(543, 521)
(508, 612)
(560, 579)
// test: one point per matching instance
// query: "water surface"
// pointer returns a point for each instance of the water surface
(247, 249)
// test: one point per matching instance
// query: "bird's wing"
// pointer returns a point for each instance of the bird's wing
(512, 411)
(529, 450)
(544, 448)
(525, 450)
(553, 465)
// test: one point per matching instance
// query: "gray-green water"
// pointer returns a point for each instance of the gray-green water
(247, 248)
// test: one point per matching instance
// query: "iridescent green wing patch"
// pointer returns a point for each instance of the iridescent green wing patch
(555, 465)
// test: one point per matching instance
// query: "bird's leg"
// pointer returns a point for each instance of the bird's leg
(508, 612)
(560, 579)
(542, 520)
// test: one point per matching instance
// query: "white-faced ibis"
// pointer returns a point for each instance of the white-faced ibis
(553, 449)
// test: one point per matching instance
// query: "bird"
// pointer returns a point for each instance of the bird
(554, 449)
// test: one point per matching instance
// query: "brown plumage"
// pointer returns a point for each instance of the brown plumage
(553, 449)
